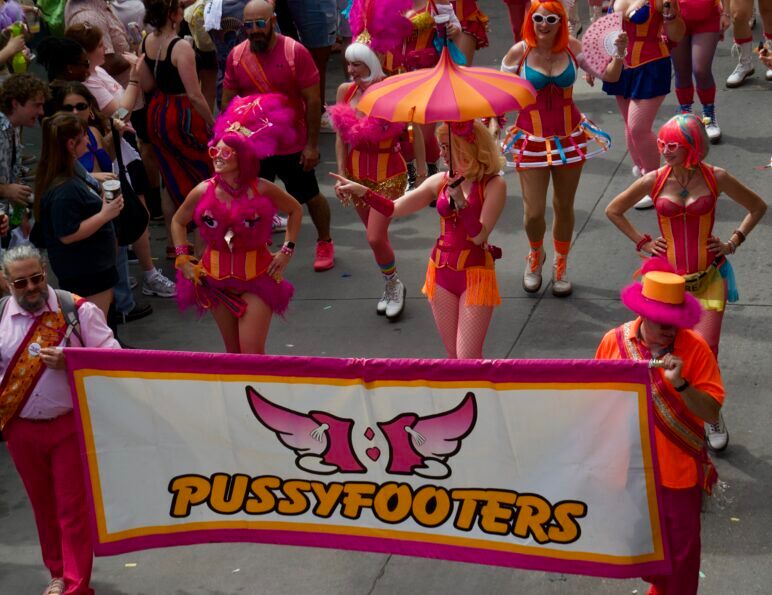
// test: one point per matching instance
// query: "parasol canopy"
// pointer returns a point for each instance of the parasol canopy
(446, 93)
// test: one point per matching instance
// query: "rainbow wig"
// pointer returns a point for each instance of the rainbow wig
(256, 127)
(555, 7)
(687, 130)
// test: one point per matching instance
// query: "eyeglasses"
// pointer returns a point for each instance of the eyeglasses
(256, 24)
(75, 107)
(224, 152)
(35, 279)
(550, 19)
(667, 147)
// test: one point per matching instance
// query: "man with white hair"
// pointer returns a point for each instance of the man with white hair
(36, 410)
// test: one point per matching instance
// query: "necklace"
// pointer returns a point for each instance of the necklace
(684, 187)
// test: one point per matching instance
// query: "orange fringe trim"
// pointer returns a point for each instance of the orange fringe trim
(482, 289)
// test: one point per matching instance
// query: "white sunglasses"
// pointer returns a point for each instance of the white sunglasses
(550, 19)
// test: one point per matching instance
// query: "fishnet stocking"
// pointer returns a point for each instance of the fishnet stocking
(462, 328)
(709, 328)
(638, 115)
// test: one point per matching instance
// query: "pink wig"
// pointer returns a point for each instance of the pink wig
(687, 130)
(257, 127)
(383, 20)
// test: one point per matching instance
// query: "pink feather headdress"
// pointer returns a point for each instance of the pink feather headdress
(267, 123)
(380, 24)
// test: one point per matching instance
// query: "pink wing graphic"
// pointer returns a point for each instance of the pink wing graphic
(321, 441)
(422, 445)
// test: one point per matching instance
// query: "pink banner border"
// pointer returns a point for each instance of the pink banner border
(367, 370)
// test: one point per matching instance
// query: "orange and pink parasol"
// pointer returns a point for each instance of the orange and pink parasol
(446, 93)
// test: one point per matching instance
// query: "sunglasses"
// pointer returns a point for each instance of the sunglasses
(75, 107)
(224, 152)
(33, 279)
(256, 24)
(550, 19)
(667, 147)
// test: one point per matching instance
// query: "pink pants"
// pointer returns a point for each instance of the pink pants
(46, 455)
(681, 520)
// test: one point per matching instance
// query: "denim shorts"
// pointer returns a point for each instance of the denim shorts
(316, 21)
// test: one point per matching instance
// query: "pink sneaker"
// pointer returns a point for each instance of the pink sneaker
(325, 256)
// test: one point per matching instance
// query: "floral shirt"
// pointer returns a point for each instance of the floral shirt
(10, 170)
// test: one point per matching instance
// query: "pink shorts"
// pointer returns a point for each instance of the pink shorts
(452, 281)
(700, 16)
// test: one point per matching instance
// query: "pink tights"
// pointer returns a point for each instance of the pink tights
(638, 115)
(377, 227)
(461, 327)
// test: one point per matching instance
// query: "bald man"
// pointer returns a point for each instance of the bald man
(268, 62)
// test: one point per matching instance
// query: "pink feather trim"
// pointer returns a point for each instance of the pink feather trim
(270, 117)
(362, 131)
(384, 20)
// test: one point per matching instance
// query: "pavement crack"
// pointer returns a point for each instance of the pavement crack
(379, 575)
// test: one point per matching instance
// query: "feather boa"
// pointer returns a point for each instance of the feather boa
(362, 131)
(269, 116)
(383, 20)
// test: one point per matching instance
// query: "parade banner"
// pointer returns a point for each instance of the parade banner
(531, 464)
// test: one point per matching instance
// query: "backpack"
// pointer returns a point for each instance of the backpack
(69, 311)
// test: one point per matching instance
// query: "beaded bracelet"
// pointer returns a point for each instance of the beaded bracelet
(732, 246)
(642, 242)
(287, 249)
(182, 249)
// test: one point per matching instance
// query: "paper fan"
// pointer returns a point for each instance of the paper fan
(598, 43)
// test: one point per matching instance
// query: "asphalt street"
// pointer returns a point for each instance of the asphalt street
(333, 314)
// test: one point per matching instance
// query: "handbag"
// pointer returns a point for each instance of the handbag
(133, 219)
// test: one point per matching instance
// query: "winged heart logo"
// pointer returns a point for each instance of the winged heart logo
(322, 442)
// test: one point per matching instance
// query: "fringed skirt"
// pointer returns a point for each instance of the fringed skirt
(478, 283)
(276, 294)
(524, 150)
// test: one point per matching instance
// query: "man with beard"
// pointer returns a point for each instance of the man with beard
(268, 62)
(36, 415)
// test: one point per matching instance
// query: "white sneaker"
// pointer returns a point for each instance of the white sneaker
(532, 274)
(380, 308)
(717, 435)
(279, 223)
(744, 67)
(326, 124)
(768, 74)
(561, 287)
(157, 284)
(395, 296)
(636, 171)
(713, 130)
(645, 203)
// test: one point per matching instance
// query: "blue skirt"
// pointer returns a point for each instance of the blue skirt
(643, 82)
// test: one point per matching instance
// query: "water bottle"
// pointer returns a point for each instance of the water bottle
(17, 214)
(19, 60)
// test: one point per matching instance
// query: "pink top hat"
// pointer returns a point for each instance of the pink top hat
(662, 297)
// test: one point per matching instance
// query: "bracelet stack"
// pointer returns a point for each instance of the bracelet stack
(642, 242)
(182, 249)
(288, 248)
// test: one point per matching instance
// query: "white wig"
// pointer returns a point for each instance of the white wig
(359, 52)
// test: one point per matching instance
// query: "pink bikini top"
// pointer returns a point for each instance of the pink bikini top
(248, 219)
